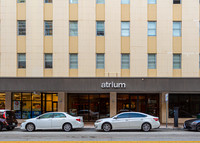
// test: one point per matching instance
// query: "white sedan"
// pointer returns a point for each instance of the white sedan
(53, 120)
(128, 120)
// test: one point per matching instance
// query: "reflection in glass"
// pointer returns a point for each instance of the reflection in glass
(36, 108)
(26, 109)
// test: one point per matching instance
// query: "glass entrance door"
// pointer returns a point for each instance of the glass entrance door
(50, 102)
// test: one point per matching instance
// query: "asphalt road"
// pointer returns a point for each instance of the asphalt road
(89, 134)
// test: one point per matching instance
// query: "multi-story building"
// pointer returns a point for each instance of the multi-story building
(95, 58)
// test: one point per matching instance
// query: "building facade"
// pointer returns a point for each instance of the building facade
(113, 43)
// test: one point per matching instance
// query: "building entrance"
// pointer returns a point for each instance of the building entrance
(145, 103)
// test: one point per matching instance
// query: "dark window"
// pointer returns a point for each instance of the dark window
(48, 61)
(21, 25)
(59, 115)
(123, 115)
(48, 31)
(49, 115)
(137, 115)
(21, 61)
(176, 1)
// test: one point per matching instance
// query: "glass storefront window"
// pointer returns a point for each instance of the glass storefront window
(90, 106)
(31, 105)
(188, 105)
(2, 100)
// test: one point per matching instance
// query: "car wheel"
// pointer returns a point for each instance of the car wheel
(30, 127)
(198, 128)
(106, 127)
(146, 127)
(67, 127)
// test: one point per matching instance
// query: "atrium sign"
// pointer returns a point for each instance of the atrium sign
(113, 85)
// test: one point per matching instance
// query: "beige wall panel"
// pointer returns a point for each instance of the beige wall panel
(177, 44)
(152, 44)
(21, 11)
(152, 72)
(34, 38)
(61, 38)
(125, 44)
(152, 12)
(113, 38)
(48, 72)
(177, 73)
(21, 72)
(100, 72)
(125, 12)
(177, 12)
(21, 44)
(48, 44)
(138, 36)
(113, 104)
(8, 34)
(86, 41)
(125, 72)
(73, 72)
(48, 11)
(73, 44)
(100, 44)
(164, 42)
(100, 12)
(73, 11)
(190, 38)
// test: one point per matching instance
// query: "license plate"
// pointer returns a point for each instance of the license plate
(13, 124)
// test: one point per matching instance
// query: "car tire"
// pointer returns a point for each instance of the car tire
(106, 127)
(198, 128)
(67, 127)
(146, 127)
(30, 127)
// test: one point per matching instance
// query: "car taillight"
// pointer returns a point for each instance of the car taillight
(156, 119)
(78, 120)
(4, 115)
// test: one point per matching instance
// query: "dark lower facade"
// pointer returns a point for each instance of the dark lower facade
(96, 98)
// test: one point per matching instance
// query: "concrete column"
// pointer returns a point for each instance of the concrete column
(113, 103)
(62, 102)
(8, 101)
(163, 108)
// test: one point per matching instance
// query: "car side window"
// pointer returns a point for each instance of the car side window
(137, 115)
(59, 115)
(49, 115)
(125, 115)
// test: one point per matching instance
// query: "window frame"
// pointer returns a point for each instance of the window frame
(152, 1)
(98, 62)
(154, 62)
(48, 61)
(174, 2)
(48, 27)
(125, 1)
(154, 29)
(125, 28)
(20, 61)
(21, 1)
(177, 62)
(48, 1)
(73, 64)
(179, 29)
(123, 62)
(99, 29)
(73, 1)
(21, 27)
(100, 1)
(73, 31)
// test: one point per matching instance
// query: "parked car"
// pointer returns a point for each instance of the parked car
(128, 120)
(193, 124)
(53, 120)
(7, 120)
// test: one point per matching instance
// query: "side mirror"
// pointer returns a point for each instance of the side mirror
(115, 117)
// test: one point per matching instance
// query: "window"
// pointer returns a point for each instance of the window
(73, 58)
(199, 61)
(125, 61)
(125, 2)
(100, 61)
(73, 1)
(48, 115)
(177, 29)
(137, 115)
(151, 61)
(73, 28)
(125, 29)
(48, 61)
(59, 115)
(21, 61)
(21, 27)
(100, 1)
(151, 1)
(177, 61)
(48, 1)
(48, 28)
(176, 1)
(100, 28)
(123, 115)
(21, 1)
(151, 28)
(2, 100)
